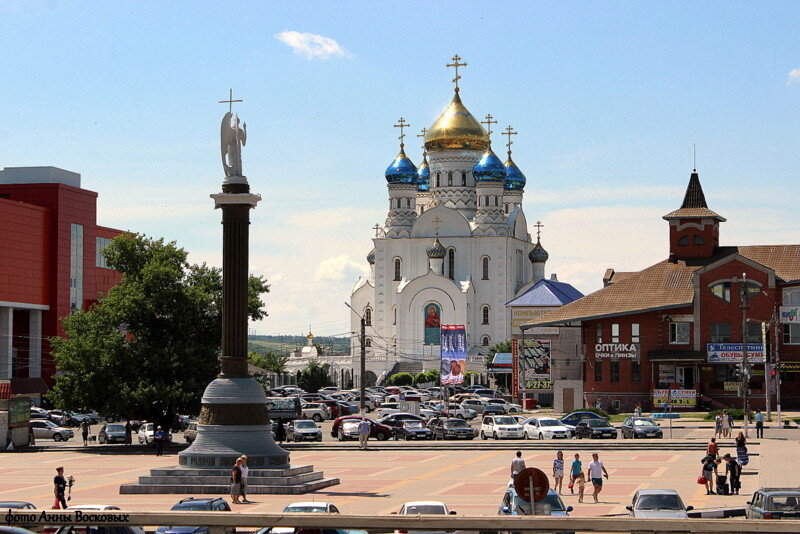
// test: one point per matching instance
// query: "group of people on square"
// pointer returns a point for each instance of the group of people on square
(728, 483)
(595, 472)
(239, 474)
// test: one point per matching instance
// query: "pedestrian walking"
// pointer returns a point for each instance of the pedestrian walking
(517, 465)
(733, 471)
(581, 481)
(709, 473)
(128, 433)
(245, 470)
(158, 441)
(637, 412)
(718, 425)
(595, 472)
(236, 481)
(726, 424)
(575, 470)
(713, 448)
(558, 472)
(59, 489)
(280, 431)
(741, 450)
(363, 433)
(85, 432)
(759, 424)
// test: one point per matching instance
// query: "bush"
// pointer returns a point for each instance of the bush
(598, 411)
(401, 379)
(738, 414)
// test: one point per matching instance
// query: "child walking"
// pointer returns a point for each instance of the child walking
(577, 469)
(581, 481)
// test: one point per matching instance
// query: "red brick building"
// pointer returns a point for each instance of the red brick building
(666, 327)
(49, 266)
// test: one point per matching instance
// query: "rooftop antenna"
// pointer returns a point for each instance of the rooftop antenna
(694, 156)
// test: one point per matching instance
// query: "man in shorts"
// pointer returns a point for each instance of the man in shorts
(595, 472)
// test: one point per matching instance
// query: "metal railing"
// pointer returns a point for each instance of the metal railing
(219, 522)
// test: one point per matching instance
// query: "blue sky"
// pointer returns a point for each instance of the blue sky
(607, 97)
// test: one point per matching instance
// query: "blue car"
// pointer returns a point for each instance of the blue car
(571, 420)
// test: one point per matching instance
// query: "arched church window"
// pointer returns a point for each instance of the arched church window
(495, 201)
(368, 342)
(699, 240)
(438, 179)
(485, 341)
(451, 264)
(368, 316)
(463, 177)
(449, 178)
(684, 240)
(485, 315)
(397, 269)
(394, 314)
(485, 268)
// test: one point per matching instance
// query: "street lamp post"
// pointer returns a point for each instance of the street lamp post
(745, 362)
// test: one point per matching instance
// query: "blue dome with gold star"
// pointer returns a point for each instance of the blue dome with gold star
(515, 180)
(489, 168)
(401, 170)
(424, 175)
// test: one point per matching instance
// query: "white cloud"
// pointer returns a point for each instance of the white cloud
(311, 45)
(794, 76)
(337, 268)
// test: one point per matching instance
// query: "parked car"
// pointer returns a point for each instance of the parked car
(80, 529)
(512, 504)
(508, 407)
(493, 409)
(314, 410)
(329, 389)
(347, 428)
(641, 427)
(501, 426)
(408, 430)
(147, 431)
(451, 428)
(475, 404)
(369, 403)
(572, 419)
(92, 417)
(658, 504)
(425, 508)
(595, 428)
(333, 407)
(774, 503)
(302, 508)
(49, 430)
(458, 398)
(388, 408)
(59, 417)
(199, 504)
(190, 434)
(113, 433)
(303, 430)
(486, 393)
(392, 419)
(544, 428)
(16, 505)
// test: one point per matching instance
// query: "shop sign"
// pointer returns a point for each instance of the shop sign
(19, 411)
(789, 368)
(666, 373)
(732, 386)
(790, 314)
(732, 353)
(685, 398)
(617, 350)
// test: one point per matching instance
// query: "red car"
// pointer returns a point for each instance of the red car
(344, 431)
(333, 406)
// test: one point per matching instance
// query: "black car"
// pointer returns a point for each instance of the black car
(451, 429)
(393, 418)
(111, 433)
(641, 427)
(595, 428)
(411, 430)
(16, 505)
(202, 504)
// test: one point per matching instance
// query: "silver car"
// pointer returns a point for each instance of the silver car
(50, 430)
(658, 504)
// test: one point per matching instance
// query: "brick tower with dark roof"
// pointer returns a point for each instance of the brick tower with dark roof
(693, 228)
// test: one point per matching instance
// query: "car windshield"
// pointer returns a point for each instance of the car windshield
(555, 502)
(785, 502)
(659, 502)
(193, 505)
(455, 424)
(432, 509)
(505, 421)
(644, 422)
(549, 422)
(305, 424)
(596, 423)
(306, 509)
(115, 428)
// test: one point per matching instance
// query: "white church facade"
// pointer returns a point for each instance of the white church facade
(454, 249)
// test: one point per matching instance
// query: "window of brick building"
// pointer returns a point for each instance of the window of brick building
(598, 371)
(791, 334)
(635, 333)
(679, 333)
(614, 364)
(754, 333)
(598, 338)
(636, 372)
(720, 332)
(615, 333)
(722, 290)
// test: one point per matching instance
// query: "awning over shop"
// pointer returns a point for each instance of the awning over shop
(676, 355)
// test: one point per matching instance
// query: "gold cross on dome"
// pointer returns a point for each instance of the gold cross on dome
(422, 134)
(402, 124)
(230, 101)
(509, 131)
(455, 64)
(538, 227)
(437, 221)
(377, 229)
(488, 122)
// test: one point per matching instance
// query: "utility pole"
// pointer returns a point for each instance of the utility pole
(777, 361)
(361, 383)
(768, 367)
(745, 362)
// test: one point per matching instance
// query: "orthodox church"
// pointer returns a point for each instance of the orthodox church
(454, 249)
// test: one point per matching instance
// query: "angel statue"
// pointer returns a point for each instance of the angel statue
(232, 139)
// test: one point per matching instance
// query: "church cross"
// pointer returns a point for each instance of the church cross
(401, 124)
(509, 132)
(538, 227)
(455, 64)
(488, 122)
(422, 134)
(377, 229)
(436, 221)
(230, 101)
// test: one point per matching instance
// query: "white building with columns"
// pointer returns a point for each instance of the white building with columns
(454, 249)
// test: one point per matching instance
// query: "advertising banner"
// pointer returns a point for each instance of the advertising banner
(454, 354)
(19, 411)
(686, 398)
(534, 364)
(667, 373)
(515, 367)
(790, 314)
(617, 350)
(732, 353)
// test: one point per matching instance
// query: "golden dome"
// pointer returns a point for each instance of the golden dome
(456, 128)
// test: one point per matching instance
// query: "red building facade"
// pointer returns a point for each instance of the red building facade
(50, 266)
(678, 325)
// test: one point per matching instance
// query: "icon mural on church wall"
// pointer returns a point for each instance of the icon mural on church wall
(433, 314)
(454, 354)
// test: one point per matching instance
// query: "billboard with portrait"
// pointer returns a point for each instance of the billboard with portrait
(454, 354)
(432, 322)
(534, 364)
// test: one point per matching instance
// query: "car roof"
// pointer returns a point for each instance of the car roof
(656, 492)
(308, 503)
(779, 490)
(93, 507)
(424, 503)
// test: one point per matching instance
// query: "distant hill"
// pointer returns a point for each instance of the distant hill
(286, 344)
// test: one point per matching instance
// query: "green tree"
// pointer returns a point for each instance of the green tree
(315, 376)
(401, 379)
(148, 349)
(270, 361)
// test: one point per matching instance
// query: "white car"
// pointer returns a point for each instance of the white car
(501, 426)
(304, 508)
(49, 430)
(475, 404)
(315, 411)
(426, 508)
(509, 407)
(147, 431)
(545, 428)
(388, 408)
